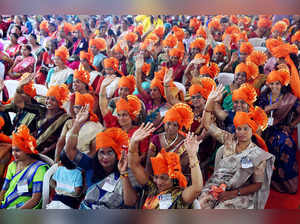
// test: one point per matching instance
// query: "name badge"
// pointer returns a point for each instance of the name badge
(246, 162)
(109, 185)
(165, 201)
(270, 121)
(22, 188)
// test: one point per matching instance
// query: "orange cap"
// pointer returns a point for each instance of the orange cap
(203, 86)
(132, 105)
(60, 92)
(24, 141)
(127, 81)
(246, 48)
(212, 70)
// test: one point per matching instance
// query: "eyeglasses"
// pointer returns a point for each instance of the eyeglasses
(196, 97)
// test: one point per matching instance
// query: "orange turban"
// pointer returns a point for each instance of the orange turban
(146, 68)
(255, 119)
(246, 48)
(194, 23)
(170, 41)
(159, 84)
(284, 50)
(245, 20)
(232, 29)
(249, 68)
(246, 92)
(180, 113)
(257, 57)
(286, 21)
(115, 138)
(117, 49)
(205, 57)
(139, 29)
(264, 22)
(201, 32)
(214, 24)
(145, 44)
(212, 70)
(220, 48)
(159, 31)
(44, 26)
(161, 73)
(153, 37)
(131, 37)
(2, 122)
(168, 163)
(178, 32)
(60, 92)
(282, 75)
(204, 87)
(78, 27)
(242, 36)
(67, 27)
(296, 37)
(198, 43)
(127, 81)
(24, 141)
(175, 52)
(280, 26)
(82, 75)
(272, 43)
(29, 88)
(112, 63)
(84, 99)
(132, 105)
(99, 43)
(87, 56)
(234, 19)
(63, 53)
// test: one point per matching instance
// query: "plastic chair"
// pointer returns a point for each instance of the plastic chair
(46, 185)
(41, 90)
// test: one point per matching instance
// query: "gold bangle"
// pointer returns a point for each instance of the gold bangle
(74, 135)
(195, 164)
(123, 175)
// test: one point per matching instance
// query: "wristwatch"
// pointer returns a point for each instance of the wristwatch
(239, 193)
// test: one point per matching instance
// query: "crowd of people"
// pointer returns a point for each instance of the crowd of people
(148, 112)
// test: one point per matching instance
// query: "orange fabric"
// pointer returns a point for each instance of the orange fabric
(280, 26)
(139, 29)
(284, 50)
(205, 57)
(63, 53)
(245, 20)
(78, 27)
(212, 70)
(117, 48)
(29, 89)
(178, 32)
(115, 138)
(242, 36)
(194, 23)
(255, 119)
(112, 63)
(60, 92)
(246, 47)
(249, 68)
(201, 32)
(24, 141)
(67, 27)
(83, 76)
(286, 21)
(159, 31)
(161, 73)
(127, 81)
(214, 24)
(282, 75)
(2, 122)
(198, 43)
(159, 84)
(246, 92)
(180, 113)
(232, 29)
(153, 37)
(131, 37)
(132, 105)
(4, 138)
(87, 56)
(146, 68)
(295, 80)
(234, 19)
(44, 26)
(257, 57)
(203, 86)
(220, 48)
(264, 22)
(175, 52)
(99, 43)
(84, 99)
(145, 44)
(168, 163)
(296, 37)
(170, 41)
(272, 43)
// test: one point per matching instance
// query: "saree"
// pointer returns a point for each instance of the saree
(24, 64)
(56, 77)
(20, 186)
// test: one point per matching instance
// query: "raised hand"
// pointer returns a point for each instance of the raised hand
(191, 144)
(168, 76)
(234, 57)
(139, 61)
(198, 61)
(216, 93)
(227, 41)
(83, 115)
(142, 132)
(123, 163)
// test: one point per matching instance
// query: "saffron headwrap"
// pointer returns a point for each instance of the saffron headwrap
(78, 27)
(246, 48)
(153, 37)
(282, 75)
(257, 57)
(264, 22)
(220, 48)
(249, 68)
(178, 32)
(67, 28)
(87, 56)
(198, 43)
(29, 88)
(201, 32)
(99, 43)
(83, 76)
(146, 43)
(4, 138)
(194, 23)
(168, 163)
(176, 53)
(24, 141)
(214, 24)
(146, 68)
(60, 92)
(255, 119)
(296, 37)
(246, 92)
(280, 26)
(63, 53)
(112, 63)
(139, 29)
(170, 41)
(131, 37)
(180, 113)
(115, 138)
(159, 31)
(132, 105)
(84, 99)
(159, 84)
(203, 86)
(201, 56)
(212, 70)
(284, 50)
(127, 81)
(44, 26)
(272, 43)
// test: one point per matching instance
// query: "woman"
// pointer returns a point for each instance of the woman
(13, 49)
(22, 64)
(24, 178)
(61, 74)
(283, 110)
(243, 170)
(50, 126)
(88, 130)
(102, 174)
(167, 189)
(244, 72)
(176, 118)
(127, 111)
(97, 47)
(36, 48)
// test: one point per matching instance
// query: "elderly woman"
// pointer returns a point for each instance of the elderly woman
(22, 64)
(167, 189)
(61, 74)
(24, 178)
(243, 170)
(102, 175)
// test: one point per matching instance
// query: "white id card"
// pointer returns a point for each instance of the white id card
(109, 185)
(22, 188)
(165, 201)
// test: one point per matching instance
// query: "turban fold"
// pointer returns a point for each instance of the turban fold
(78, 27)
(83, 76)
(198, 43)
(60, 92)
(281, 75)
(132, 105)
(257, 57)
(127, 81)
(4, 138)
(112, 63)
(44, 26)
(170, 41)
(246, 92)
(220, 48)
(24, 141)
(99, 43)
(246, 48)
(296, 37)
(203, 86)
(87, 56)
(84, 99)
(29, 88)
(159, 31)
(131, 37)
(194, 23)
(212, 70)
(280, 26)
(201, 32)
(63, 53)
(249, 68)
